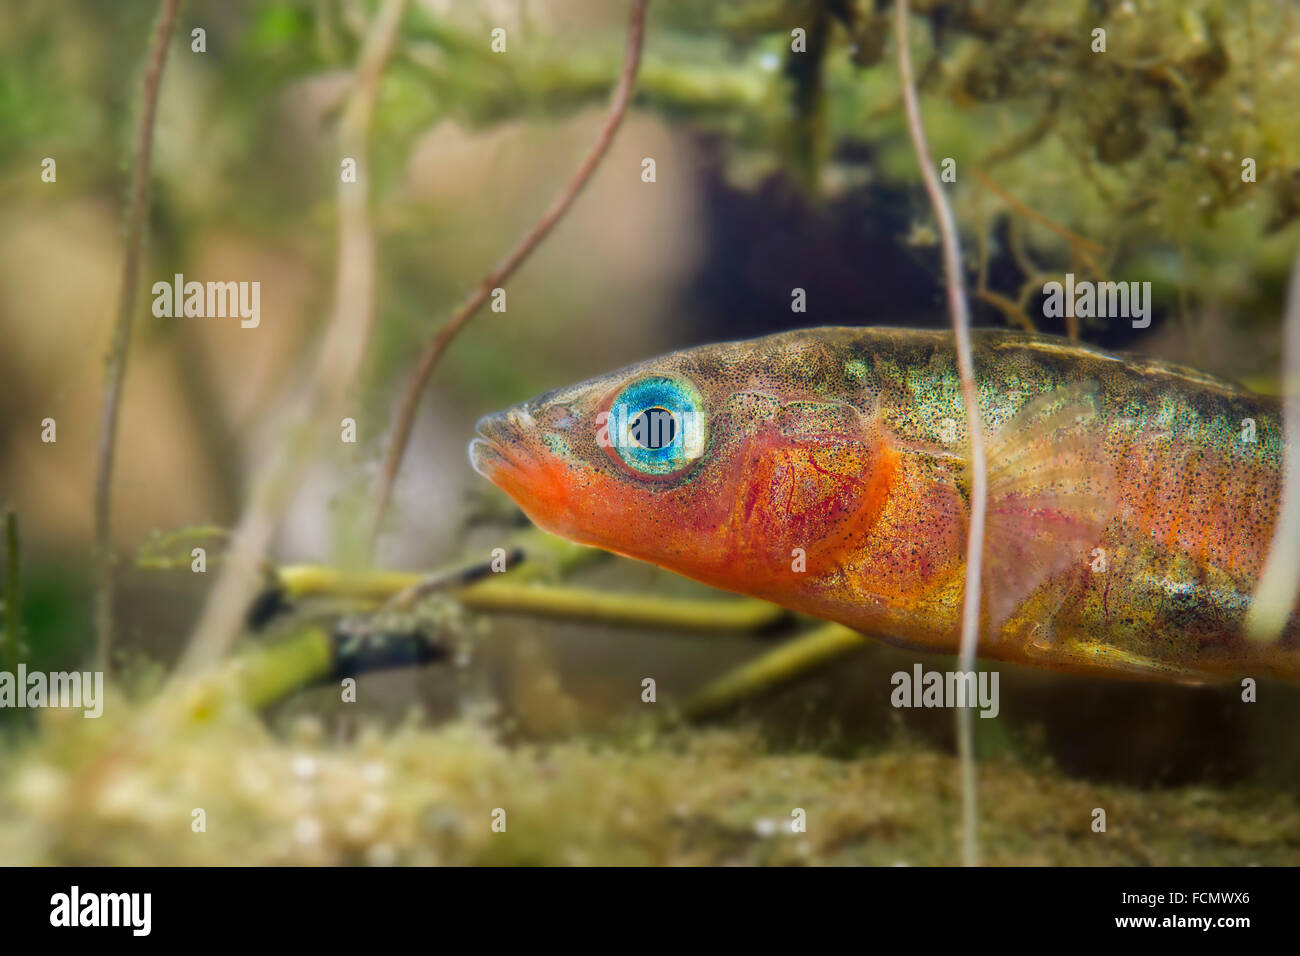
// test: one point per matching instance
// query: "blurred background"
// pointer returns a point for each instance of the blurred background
(774, 170)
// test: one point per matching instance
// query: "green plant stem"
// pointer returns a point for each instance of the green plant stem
(254, 678)
(633, 610)
(511, 596)
(271, 673)
(545, 557)
(774, 669)
(13, 591)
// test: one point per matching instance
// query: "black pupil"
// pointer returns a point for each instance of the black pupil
(654, 428)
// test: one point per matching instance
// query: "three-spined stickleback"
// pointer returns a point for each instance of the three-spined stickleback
(1130, 501)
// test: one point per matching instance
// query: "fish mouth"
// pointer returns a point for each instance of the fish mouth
(484, 457)
(498, 445)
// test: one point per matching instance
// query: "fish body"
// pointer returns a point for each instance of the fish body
(1130, 502)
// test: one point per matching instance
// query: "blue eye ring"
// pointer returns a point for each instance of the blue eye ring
(655, 426)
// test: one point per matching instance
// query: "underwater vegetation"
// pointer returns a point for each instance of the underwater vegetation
(424, 796)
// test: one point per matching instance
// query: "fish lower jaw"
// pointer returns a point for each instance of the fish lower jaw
(486, 458)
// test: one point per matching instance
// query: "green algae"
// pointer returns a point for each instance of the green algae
(124, 793)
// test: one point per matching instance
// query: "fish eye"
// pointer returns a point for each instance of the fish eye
(655, 426)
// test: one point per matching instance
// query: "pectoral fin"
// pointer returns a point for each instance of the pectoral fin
(1050, 494)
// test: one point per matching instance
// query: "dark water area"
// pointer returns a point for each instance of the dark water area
(845, 252)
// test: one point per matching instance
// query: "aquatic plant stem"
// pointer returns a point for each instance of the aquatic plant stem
(504, 595)
(442, 339)
(979, 472)
(544, 557)
(262, 676)
(773, 669)
(13, 592)
(342, 350)
(115, 373)
(527, 588)
(1275, 595)
(309, 654)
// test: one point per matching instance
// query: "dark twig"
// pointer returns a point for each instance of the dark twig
(117, 355)
(1085, 249)
(504, 269)
(445, 580)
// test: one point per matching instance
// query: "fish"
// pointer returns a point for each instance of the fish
(1130, 501)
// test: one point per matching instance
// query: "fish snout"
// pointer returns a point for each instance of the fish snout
(501, 441)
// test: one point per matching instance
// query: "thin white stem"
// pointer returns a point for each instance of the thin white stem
(979, 471)
(1276, 593)
(320, 405)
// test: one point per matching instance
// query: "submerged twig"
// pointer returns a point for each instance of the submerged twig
(1028, 138)
(449, 579)
(1083, 247)
(1275, 595)
(119, 349)
(504, 269)
(979, 476)
(336, 370)
(1011, 310)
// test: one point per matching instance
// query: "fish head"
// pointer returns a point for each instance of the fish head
(742, 465)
